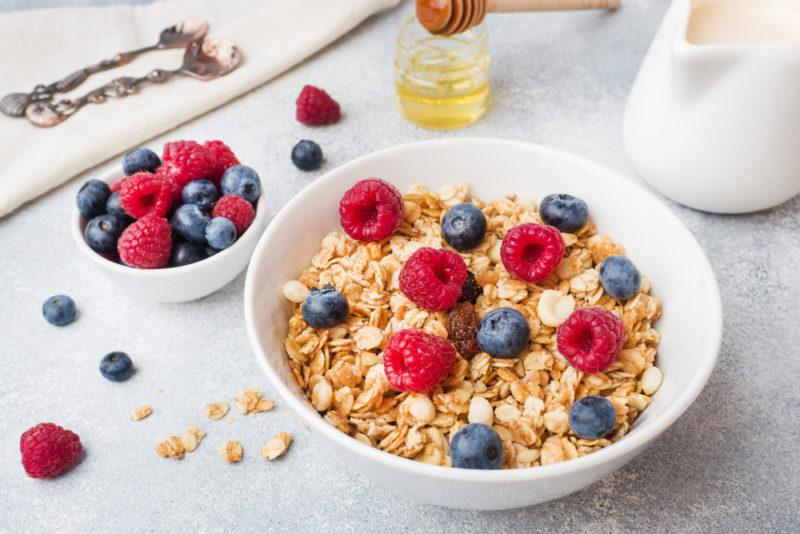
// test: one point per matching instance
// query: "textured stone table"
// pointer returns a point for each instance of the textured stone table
(730, 464)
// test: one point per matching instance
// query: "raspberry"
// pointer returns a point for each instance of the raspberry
(48, 450)
(147, 243)
(371, 210)
(223, 158)
(417, 361)
(462, 329)
(532, 251)
(185, 161)
(236, 209)
(432, 279)
(590, 339)
(316, 107)
(145, 194)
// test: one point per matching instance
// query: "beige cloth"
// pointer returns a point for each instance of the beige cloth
(43, 45)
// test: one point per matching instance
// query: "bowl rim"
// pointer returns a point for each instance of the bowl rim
(114, 171)
(632, 443)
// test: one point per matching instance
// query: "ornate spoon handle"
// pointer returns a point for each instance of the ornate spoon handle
(45, 113)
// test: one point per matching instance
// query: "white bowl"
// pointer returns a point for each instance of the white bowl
(654, 238)
(174, 284)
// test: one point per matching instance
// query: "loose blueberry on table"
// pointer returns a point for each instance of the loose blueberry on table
(116, 366)
(59, 310)
(307, 155)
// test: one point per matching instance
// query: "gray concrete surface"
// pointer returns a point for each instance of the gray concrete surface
(729, 465)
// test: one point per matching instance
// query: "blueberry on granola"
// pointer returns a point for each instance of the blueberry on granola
(464, 226)
(325, 307)
(565, 212)
(503, 333)
(592, 417)
(620, 277)
(476, 446)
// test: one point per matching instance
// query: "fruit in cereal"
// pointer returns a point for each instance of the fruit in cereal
(592, 417)
(202, 193)
(432, 278)
(223, 158)
(140, 159)
(220, 233)
(532, 251)
(189, 222)
(470, 291)
(417, 361)
(464, 226)
(462, 329)
(49, 450)
(476, 446)
(116, 366)
(590, 339)
(620, 277)
(91, 198)
(146, 244)
(371, 210)
(307, 155)
(325, 307)
(565, 212)
(237, 209)
(315, 107)
(503, 333)
(243, 181)
(59, 310)
(145, 194)
(102, 233)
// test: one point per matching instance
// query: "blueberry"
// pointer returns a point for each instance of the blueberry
(620, 277)
(592, 417)
(324, 308)
(220, 233)
(59, 310)
(503, 333)
(102, 233)
(140, 159)
(476, 446)
(92, 197)
(189, 222)
(464, 226)
(307, 155)
(243, 181)
(184, 253)
(565, 212)
(114, 207)
(202, 193)
(116, 366)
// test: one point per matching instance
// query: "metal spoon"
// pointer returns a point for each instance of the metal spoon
(205, 59)
(177, 36)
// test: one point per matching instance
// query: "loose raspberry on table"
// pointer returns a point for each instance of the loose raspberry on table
(417, 361)
(433, 278)
(532, 251)
(223, 157)
(371, 210)
(591, 339)
(143, 194)
(462, 329)
(316, 107)
(147, 243)
(48, 450)
(237, 209)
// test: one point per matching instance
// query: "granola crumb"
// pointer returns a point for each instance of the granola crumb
(231, 452)
(216, 410)
(141, 412)
(172, 447)
(192, 438)
(276, 446)
(252, 401)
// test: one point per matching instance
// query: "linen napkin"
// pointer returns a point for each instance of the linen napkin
(44, 45)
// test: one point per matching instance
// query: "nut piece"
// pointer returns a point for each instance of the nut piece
(421, 408)
(216, 410)
(276, 446)
(141, 412)
(231, 452)
(368, 338)
(172, 447)
(252, 401)
(295, 291)
(651, 380)
(554, 308)
(192, 438)
(480, 411)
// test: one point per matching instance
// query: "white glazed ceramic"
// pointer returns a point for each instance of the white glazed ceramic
(174, 284)
(653, 236)
(716, 127)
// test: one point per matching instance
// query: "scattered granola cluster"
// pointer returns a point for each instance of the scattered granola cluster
(525, 399)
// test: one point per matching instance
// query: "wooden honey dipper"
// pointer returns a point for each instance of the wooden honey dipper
(448, 17)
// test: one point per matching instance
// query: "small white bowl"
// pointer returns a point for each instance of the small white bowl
(654, 238)
(174, 284)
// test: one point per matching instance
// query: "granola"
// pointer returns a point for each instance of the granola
(141, 412)
(525, 399)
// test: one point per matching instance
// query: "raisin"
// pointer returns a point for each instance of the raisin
(462, 329)
(470, 291)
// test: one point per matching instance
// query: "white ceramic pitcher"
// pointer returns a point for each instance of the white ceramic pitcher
(717, 126)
